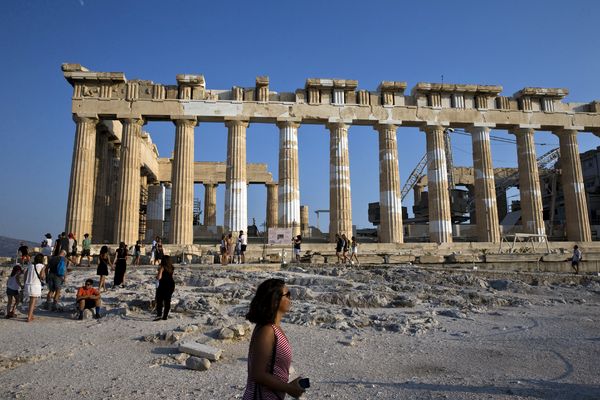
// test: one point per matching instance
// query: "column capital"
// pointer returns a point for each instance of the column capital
(519, 131)
(388, 124)
(477, 129)
(89, 118)
(337, 125)
(288, 123)
(211, 184)
(231, 123)
(133, 120)
(271, 183)
(433, 127)
(567, 131)
(185, 121)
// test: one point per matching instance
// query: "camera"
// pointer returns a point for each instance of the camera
(304, 383)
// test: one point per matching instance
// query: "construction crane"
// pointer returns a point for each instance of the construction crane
(417, 172)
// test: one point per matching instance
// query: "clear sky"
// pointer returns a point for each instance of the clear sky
(512, 43)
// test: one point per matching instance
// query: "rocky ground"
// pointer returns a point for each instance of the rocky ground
(393, 332)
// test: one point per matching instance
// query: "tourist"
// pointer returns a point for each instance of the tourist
(243, 238)
(345, 248)
(160, 253)
(13, 286)
(230, 247)
(339, 246)
(153, 250)
(64, 243)
(137, 253)
(576, 259)
(120, 265)
(102, 269)
(34, 274)
(297, 240)
(86, 250)
(238, 250)
(270, 353)
(22, 252)
(72, 252)
(223, 250)
(164, 291)
(46, 247)
(354, 251)
(88, 298)
(56, 248)
(56, 277)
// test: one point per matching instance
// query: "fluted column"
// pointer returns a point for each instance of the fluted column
(390, 200)
(155, 212)
(80, 206)
(577, 216)
(340, 201)
(111, 212)
(271, 205)
(210, 204)
(127, 202)
(182, 178)
(304, 226)
(440, 218)
(102, 190)
(236, 191)
(486, 209)
(289, 182)
(532, 212)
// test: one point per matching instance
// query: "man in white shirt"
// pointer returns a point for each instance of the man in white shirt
(244, 244)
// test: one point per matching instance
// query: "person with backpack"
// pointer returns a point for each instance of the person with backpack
(34, 275)
(55, 278)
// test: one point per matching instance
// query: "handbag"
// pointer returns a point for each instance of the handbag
(38, 276)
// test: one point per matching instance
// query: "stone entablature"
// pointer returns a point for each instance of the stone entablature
(446, 104)
(210, 172)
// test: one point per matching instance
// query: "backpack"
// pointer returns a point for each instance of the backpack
(61, 268)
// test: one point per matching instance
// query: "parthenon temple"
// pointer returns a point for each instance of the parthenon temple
(115, 163)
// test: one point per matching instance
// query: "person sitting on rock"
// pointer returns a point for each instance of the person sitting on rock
(88, 297)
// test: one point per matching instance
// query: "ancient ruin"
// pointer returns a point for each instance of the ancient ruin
(110, 111)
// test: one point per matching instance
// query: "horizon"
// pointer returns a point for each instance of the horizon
(536, 44)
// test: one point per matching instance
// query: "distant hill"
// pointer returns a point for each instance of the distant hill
(9, 246)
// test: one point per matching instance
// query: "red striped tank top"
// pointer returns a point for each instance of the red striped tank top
(280, 369)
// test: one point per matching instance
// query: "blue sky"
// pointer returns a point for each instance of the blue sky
(510, 43)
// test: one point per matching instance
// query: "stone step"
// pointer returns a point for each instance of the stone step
(201, 350)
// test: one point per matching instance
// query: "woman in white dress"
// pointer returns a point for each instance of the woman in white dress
(34, 274)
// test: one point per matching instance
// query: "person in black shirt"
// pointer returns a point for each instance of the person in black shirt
(166, 286)
(120, 265)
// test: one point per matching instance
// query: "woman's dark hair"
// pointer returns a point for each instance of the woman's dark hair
(167, 264)
(264, 305)
(16, 270)
(122, 245)
(104, 249)
(38, 259)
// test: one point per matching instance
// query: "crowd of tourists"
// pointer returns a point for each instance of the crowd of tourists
(233, 251)
(51, 266)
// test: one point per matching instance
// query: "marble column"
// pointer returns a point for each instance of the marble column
(340, 200)
(486, 210)
(577, 216)
(111, 212)
(182, 178)
(236, 189)
(102, 189)
(532, 215)
(127, 202)
(390, 199)
(271, 205)
(80, 206)
(304, 225)
(155, 212)
(440, 218)
(417, 192)
(210, 204)
(289, 182)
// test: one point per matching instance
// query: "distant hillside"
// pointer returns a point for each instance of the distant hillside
(9, 246)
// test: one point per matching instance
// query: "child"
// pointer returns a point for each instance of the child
(12, 290)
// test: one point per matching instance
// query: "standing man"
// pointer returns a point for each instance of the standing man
(576, 259)
(244, 244)
(56, 278)
(86, 249)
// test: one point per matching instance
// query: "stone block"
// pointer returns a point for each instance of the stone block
(465, 258)
(197, 363)
(512, 258)
(556, 257)
(201, 350)
(225, 334)
(401, 258)
(431, 259)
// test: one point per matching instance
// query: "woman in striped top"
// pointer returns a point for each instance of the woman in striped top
(270, 353)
